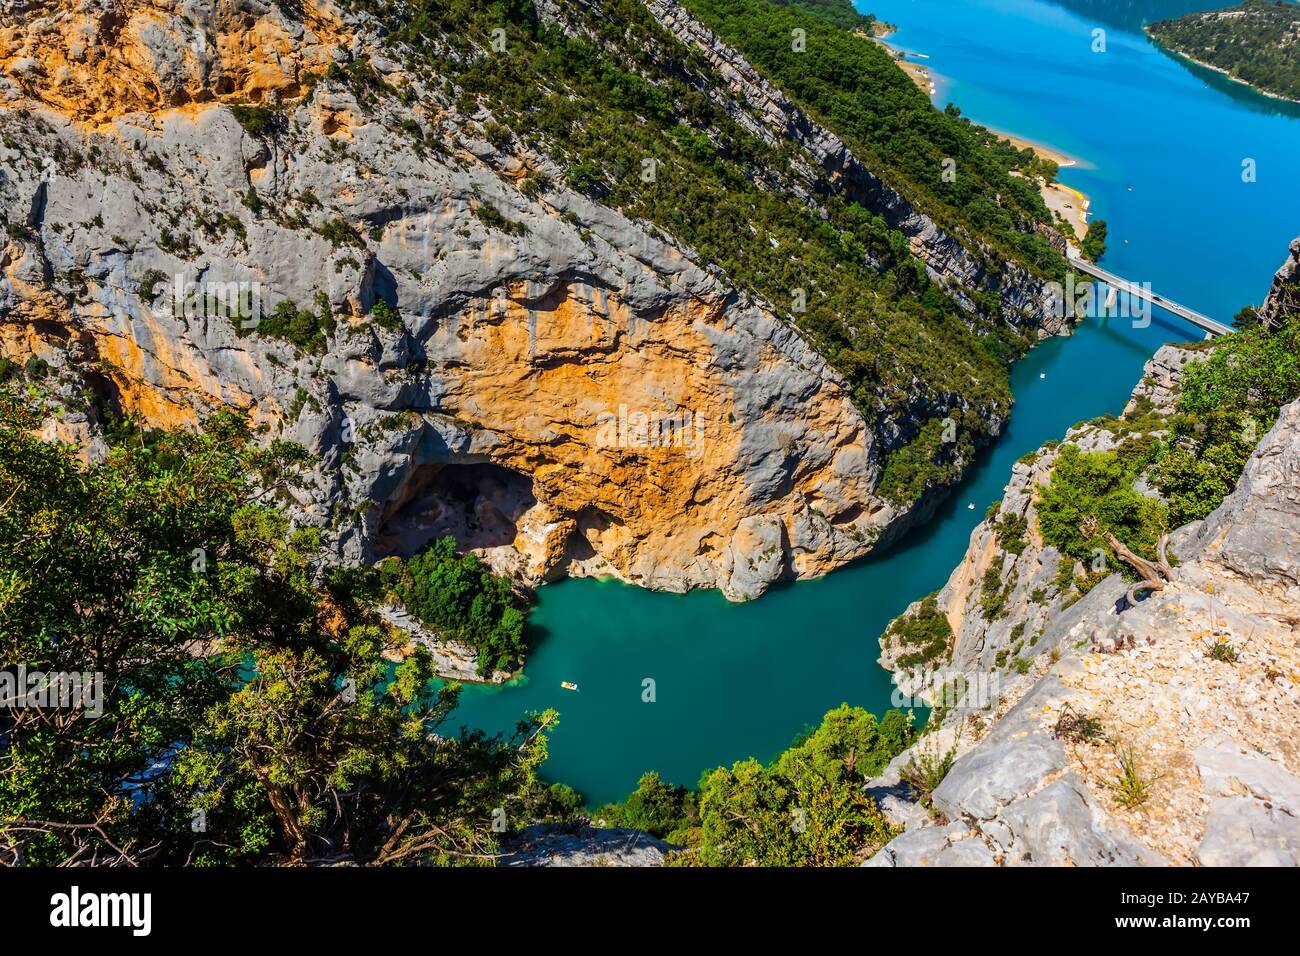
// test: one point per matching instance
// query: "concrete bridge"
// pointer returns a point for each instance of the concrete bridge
(1211, 327)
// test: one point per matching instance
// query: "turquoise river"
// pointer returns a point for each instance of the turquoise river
(1162, 146)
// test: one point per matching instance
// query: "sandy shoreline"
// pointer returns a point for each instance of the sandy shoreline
(1069, 204)
(919, 73)
(1061, 159)
(1063, 201)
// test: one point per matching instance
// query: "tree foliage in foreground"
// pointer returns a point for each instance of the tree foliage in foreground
(806, 808)
(248, 713)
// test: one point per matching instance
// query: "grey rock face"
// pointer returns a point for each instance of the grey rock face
(587, 846)
(1254, 532)
(1060, 825)
(1038, 616)
(1285, 295)
(1227, 768)
(1244, 832)
(732, 457)
(735, 456)
(990, 777)
(1159, 386)
(1255, 816)
(952, 845)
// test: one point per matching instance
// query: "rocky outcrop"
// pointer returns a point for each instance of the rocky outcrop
(185, 186)
(1152, 733)
(544, 845)
(99, 59)
(1010, 585)
(565, 392)
(1214, 740)
(1284, 298)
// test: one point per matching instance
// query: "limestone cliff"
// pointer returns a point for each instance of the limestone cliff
(1011, 585)
(1082, 685)
(1285, 294)
(560, 387)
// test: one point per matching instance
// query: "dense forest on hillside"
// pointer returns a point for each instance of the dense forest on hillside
(856, 89)
(1257, 42)
(619, 87)
(839, 12)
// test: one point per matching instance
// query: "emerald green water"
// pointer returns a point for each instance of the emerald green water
(733, 681)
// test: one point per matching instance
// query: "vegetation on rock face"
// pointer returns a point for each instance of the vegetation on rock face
(1011, 529)
(385, 315)
(925, 634)
(1093, 246)
(309, 331)
(857, 90)
(806, 808)
(1257, 42)
(259, 121)
(618, 89)
(245, 714)
(1226, 403)
(460, 596)
(994, 592)
(1099, 485)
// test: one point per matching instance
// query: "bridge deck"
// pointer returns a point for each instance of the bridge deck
(1123, 285)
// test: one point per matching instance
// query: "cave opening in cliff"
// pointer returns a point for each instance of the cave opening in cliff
(104, 401)
(478, 504)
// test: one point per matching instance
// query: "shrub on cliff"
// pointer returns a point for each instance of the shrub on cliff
(924, 634)
(1227, 402)
(309, 331)
(259, 121)
(1097, 485)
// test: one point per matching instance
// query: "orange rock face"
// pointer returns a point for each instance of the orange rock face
(93, 64)
(570, 395)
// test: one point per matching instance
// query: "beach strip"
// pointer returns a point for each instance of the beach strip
(1064, 202)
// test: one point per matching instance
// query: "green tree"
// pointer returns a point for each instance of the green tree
(130, 569)
(324, 755)
(655, 806)
(1227, 402)
(460, 596)
(807, 808)
(1097, 485)
(1093, 245)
